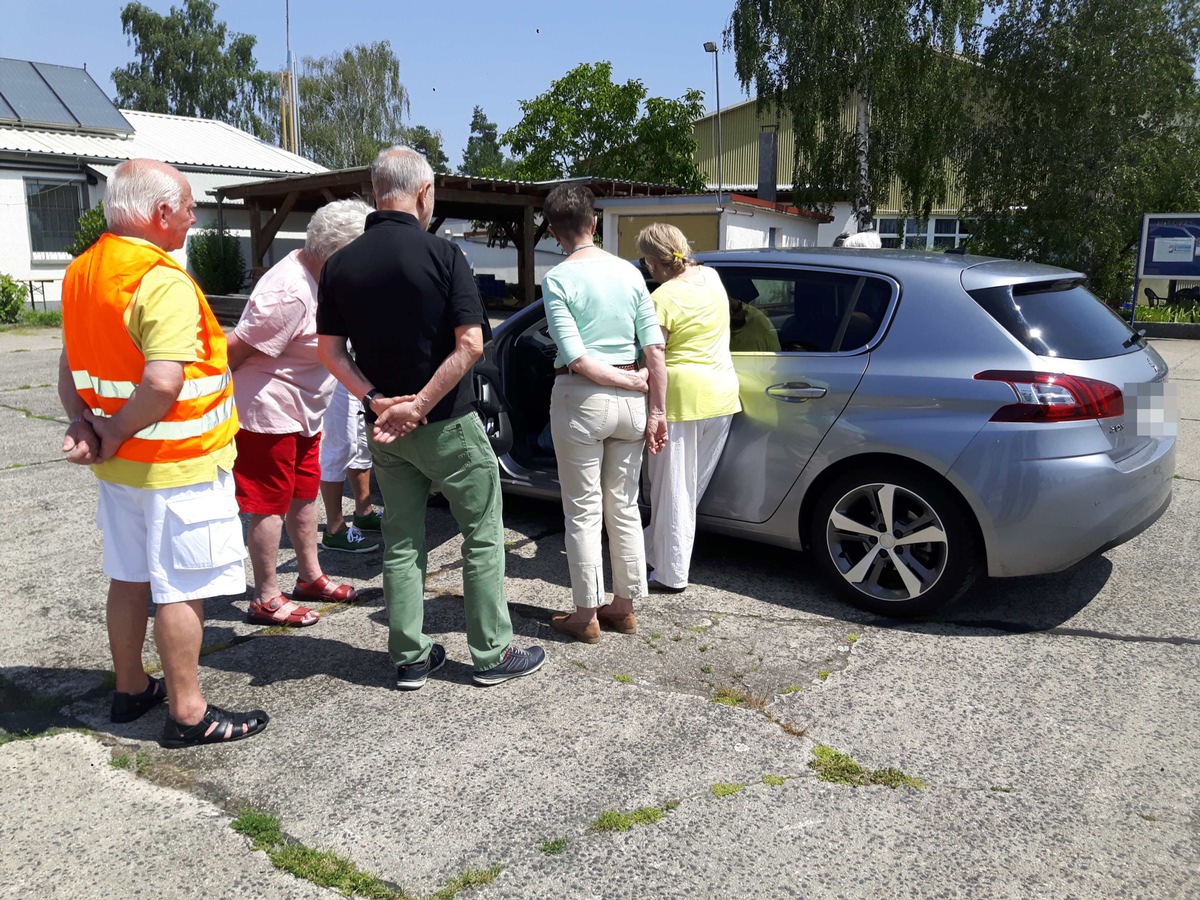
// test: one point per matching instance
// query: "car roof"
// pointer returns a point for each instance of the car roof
(975, 272)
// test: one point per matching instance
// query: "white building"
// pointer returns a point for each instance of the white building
(61, 138)
(734, 222)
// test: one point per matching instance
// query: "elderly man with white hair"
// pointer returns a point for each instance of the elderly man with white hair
(406, 300)
(282, 392)
(145, 382)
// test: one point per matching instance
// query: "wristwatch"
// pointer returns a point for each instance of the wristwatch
(366, 403)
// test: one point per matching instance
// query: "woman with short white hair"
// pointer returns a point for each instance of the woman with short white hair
(282, 391)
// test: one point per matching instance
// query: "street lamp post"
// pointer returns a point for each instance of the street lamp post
(711, 47)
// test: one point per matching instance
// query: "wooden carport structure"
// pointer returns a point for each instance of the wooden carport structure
(513, 205)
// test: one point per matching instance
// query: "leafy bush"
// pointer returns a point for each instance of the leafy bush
(216, 260)
(91, 226)
(12, 298)
(1179, 313)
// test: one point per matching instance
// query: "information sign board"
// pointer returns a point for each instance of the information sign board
(1170, 246)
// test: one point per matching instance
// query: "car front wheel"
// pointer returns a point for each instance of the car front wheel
(901, 545)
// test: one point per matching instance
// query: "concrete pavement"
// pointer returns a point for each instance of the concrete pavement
(1053, 719)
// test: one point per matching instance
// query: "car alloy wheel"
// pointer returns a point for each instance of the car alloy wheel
(899, 545)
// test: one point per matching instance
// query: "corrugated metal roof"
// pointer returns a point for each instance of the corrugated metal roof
(203, 183)
(179, 140)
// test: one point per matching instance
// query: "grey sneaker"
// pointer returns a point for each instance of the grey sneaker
(349, 541)
(413, 677)
(513, 664)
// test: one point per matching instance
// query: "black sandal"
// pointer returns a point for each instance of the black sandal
(229, 727)
(128, 707)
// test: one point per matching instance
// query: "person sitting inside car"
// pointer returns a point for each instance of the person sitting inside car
(750, 330)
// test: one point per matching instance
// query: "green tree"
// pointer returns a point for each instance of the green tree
(351, 105)
(587, 125)
(188, 65)
(1089, 117)
(216, 259)
(91, 225)
(429, 142)
(483, 156)
(895, 62)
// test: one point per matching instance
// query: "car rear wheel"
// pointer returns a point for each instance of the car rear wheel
(901, 544)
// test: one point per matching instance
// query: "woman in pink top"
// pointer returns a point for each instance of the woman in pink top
(282, 390)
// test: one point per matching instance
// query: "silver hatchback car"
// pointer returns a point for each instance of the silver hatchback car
(912, 420)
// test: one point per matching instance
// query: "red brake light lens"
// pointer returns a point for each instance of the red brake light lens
(1053, 397)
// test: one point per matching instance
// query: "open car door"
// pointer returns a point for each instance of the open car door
(489, 397)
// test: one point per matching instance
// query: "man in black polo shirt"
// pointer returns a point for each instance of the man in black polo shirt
(406, 300)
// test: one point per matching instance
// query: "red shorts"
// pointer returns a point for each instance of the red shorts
(272, 470)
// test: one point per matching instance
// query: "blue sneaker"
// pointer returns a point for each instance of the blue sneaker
(513, 664)
(413, 676)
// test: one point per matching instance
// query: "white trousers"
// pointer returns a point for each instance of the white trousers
(599, 436)
(343, 437)
(679, 476)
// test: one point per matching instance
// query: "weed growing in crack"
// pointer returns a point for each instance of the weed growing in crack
(726, 790)
(613, 820)
(134, 762)
(550, 848)
(838, 768)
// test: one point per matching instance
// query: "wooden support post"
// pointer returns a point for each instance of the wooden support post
(276, 221)
(436, 224)
(257, 250)
(526, 256)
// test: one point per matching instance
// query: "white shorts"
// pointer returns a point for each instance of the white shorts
(343, 437)
(186, 541)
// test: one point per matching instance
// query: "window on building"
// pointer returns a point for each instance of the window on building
(54, 211)
(938, 233)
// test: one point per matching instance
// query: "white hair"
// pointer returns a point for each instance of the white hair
(864, 240)
(399, 172)
(333, 226)
(135, 190)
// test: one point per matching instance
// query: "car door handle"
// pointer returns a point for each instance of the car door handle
(795, 391)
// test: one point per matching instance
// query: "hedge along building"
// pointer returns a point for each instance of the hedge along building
(60, 139)
(746, 134)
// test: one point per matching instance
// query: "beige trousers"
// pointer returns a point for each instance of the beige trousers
(598, 439)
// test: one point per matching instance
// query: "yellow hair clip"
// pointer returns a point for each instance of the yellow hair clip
(677, 255)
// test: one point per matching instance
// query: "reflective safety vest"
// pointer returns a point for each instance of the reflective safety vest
(107, 365)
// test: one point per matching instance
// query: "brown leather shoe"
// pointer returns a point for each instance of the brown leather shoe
(588, 634)
(626, 624)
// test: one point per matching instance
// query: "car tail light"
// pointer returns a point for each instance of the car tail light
(1052, 397)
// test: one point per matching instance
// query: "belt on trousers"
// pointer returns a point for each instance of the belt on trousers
(625, 367)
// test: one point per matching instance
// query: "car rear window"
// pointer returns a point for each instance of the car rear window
(1060, 318)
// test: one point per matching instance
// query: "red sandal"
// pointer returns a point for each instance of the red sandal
(281, 611)
(324, 589)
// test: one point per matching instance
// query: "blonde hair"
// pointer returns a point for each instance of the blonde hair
(666, 245)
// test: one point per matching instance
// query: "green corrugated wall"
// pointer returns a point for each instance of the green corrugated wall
(739, 139)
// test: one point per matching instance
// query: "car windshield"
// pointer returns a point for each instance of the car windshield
(1060, 318)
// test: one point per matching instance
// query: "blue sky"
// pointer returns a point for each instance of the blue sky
(453, 56)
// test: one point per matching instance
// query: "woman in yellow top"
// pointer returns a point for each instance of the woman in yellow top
(702, 397)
